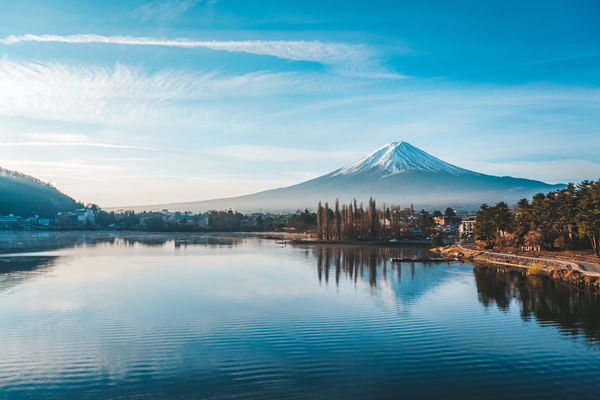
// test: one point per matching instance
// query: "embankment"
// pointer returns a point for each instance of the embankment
(567, 271)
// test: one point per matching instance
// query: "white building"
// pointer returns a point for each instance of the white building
(85, 216)
(466, 225)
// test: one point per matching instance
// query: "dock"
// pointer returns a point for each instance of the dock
(406, 259)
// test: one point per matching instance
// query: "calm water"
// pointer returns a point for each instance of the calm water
(198, 316)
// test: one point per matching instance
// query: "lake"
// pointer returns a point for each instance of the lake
(189, 316)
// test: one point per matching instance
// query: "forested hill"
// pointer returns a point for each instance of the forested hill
(26, 196)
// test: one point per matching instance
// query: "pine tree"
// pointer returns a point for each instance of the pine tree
(320, 221)
(338, 220)
(326, 220)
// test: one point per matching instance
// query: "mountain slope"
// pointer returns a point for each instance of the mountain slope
(397, 173)
(26, 196)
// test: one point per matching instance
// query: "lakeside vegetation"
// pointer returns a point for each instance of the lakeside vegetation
(566, 219)
(355, 222)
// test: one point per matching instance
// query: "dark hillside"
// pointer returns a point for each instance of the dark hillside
(26, 196)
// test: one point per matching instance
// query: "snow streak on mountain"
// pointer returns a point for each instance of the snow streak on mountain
(397, 158)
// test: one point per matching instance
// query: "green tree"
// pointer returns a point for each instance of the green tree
(320, 221)
(425, 223)
(484, 228)
(588, 213)
(437, 240)
(523, 220)
(502, 218)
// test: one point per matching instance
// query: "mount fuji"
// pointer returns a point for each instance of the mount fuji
(397, 173)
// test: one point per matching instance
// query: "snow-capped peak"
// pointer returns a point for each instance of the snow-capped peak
(397, 158)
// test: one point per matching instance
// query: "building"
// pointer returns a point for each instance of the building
(44, 222)
(189, 219)
(446, 221)
(465, 229)
(10, 222)
(85, 216)
(66, 219)
(440, 221)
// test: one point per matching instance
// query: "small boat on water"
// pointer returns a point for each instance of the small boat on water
(405, 259)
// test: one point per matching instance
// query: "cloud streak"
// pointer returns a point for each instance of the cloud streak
(164, 11)
(278, 153)
(75, 144)
(352, 59)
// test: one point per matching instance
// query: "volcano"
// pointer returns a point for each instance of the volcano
(397, 173)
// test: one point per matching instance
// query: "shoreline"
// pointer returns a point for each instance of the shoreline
(568, 271)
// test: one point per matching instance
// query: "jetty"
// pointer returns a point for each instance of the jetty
(421, 259)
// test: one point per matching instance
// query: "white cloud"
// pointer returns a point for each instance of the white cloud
(351, 59)
(122, 94)
(277, 153)
(299, 50)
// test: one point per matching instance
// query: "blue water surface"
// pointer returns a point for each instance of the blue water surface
(188, 316)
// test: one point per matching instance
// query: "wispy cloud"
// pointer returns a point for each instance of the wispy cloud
(164, 10)
(277, 153)
(351, 59)
(75, 144)
(122, 94)
(56, 137)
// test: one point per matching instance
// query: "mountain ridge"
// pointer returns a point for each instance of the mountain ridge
(397, 173)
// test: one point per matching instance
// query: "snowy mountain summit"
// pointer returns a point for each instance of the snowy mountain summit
(398, 158)
(397, 173)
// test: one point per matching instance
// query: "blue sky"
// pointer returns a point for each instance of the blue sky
(136, 102)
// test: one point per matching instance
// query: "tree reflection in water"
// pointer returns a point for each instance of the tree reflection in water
(575, 312)
(356, 262)
(19, 261)
(25, 242)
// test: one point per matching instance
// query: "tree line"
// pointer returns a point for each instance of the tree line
(565, 219)
(354, 221)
